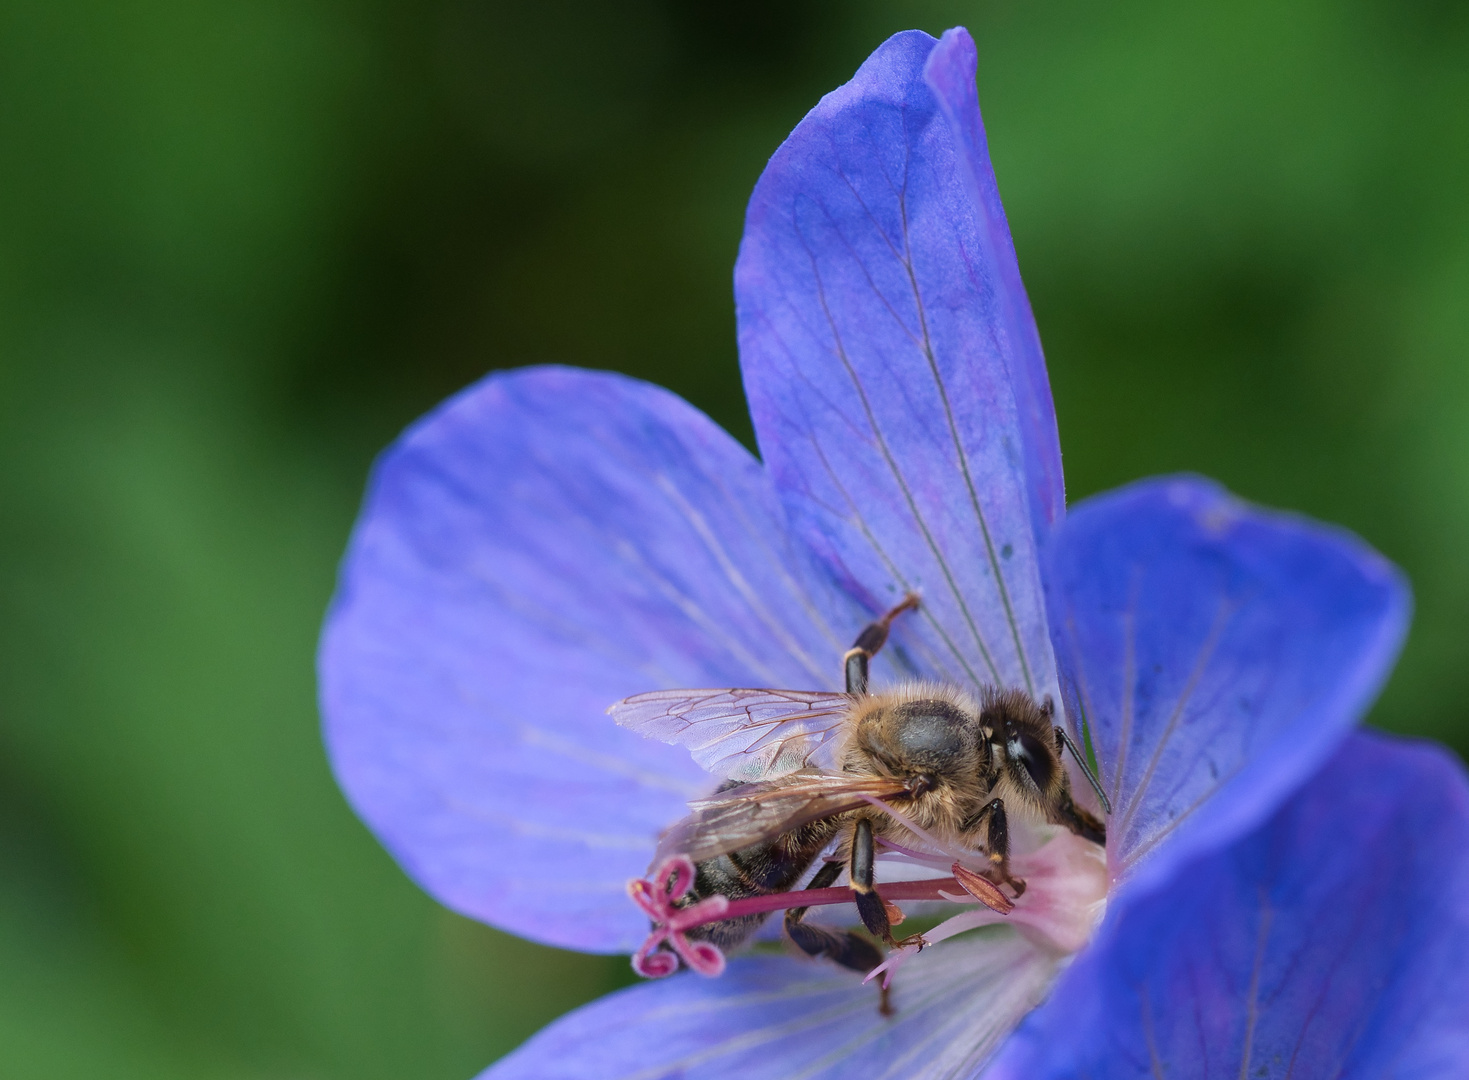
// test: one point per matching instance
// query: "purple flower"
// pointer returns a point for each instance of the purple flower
(1284, 896)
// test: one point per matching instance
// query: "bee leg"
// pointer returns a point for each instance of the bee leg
(867, 645)
(869, 904)
(846, 949)
(999, 844)
(1078, 820)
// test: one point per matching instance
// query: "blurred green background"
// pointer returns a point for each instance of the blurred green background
(243, 242)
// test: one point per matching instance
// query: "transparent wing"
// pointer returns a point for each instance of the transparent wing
(750, 813)
(743, 734)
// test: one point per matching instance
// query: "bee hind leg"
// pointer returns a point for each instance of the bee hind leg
(872, 638)
(837, 945)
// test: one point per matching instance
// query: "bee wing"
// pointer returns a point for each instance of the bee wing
(750, 813)
(743, 734)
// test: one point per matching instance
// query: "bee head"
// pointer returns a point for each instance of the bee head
(1022, 731)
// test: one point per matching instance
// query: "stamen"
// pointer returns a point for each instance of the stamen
(983, 889)
(913, 827)
(910, 854)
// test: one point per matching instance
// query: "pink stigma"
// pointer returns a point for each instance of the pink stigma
(671, 883)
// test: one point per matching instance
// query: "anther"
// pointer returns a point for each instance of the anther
(982, 889)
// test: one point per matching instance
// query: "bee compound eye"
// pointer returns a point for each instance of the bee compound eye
(1038, 762)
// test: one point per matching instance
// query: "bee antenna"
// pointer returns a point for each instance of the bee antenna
(1091, 777)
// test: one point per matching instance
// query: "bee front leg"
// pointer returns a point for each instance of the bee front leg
(869, 904)
(1078, 820)
(997, 842)
(874, 635)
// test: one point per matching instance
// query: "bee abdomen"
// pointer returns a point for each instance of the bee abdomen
(722, 877)
(772, 867)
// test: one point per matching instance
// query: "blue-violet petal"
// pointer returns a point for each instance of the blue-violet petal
(1217, 652)
(545, 543)
(777, 1018)
(950, 74)
(1332, 942)
(880, 322)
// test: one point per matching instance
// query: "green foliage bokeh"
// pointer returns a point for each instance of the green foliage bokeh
(243, 243)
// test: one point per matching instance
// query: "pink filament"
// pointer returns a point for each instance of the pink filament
(657, 897)
(930, 889)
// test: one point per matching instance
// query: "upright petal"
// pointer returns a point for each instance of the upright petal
(775, 1018)
(547, 542)
(881, 325)
(1217, 652)
(1333, 942)
(950, 73)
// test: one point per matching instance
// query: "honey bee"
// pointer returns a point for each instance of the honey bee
(803, 765)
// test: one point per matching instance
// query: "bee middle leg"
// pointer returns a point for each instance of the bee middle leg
(872, 638)
(869, 904)
(846, 949)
